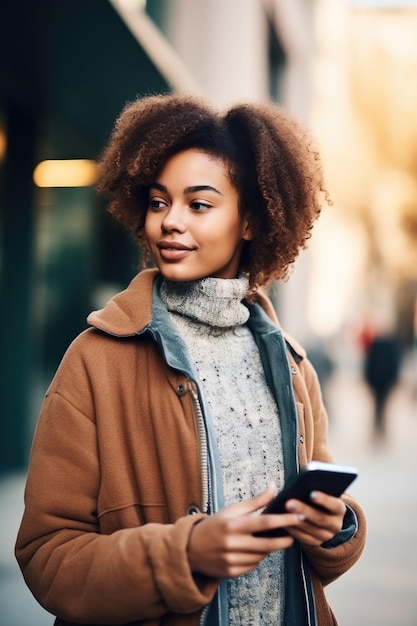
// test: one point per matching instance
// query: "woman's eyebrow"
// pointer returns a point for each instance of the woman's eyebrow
(158, 186)
(195, 188)
(191, 189)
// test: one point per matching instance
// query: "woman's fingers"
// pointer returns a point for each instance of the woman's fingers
(323, 518)
(226, 545)
(246, 507)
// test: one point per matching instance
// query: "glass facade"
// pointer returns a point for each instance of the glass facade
(66, 78)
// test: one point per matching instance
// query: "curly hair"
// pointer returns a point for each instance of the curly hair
(269, 156)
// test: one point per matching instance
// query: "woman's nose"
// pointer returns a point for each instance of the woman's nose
(174, 219)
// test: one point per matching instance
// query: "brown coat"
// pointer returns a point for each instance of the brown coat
(115, 467)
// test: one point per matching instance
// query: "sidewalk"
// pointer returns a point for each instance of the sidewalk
(381, 589)
(17, 605)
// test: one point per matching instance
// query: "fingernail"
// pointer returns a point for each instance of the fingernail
(313, 495)
(301, 517)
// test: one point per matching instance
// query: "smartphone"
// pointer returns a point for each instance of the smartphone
(315, 476)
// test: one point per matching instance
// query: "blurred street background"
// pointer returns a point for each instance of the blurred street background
(347, 70)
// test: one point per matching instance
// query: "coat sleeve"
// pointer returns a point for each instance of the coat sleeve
(74, 571)
(339, 555)
(331, 561)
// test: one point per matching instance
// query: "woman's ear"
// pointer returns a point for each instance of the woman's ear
(247, 233)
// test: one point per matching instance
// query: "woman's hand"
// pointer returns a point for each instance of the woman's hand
(321, 524)
(224, 546)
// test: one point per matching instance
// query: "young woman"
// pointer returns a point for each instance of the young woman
(173, 420)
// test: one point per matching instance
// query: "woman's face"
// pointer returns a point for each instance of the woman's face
(193, 225)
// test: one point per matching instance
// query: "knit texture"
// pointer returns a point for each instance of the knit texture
(211, 316)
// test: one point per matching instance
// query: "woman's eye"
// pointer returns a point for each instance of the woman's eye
(199, 206)
(155, 203)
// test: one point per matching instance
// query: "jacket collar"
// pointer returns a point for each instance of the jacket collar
(130, 311)
(265, 303)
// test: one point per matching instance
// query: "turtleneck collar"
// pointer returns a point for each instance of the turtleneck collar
(212, 301)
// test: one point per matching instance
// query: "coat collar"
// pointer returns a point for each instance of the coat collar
(130, 311)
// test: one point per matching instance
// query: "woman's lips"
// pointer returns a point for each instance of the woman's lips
(173, 251)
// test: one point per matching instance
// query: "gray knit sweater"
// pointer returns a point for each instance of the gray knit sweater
(211, 318)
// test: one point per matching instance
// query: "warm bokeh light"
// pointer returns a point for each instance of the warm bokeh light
(364, 117)
(66, 173)
(3, 144)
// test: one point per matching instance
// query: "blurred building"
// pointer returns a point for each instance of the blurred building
(365, 97)
(66, 70)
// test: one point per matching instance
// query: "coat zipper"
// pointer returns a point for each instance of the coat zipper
(202, 438)
(201, 429)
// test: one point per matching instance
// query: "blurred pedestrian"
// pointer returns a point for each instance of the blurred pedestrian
(169, 417)
(382, 364)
